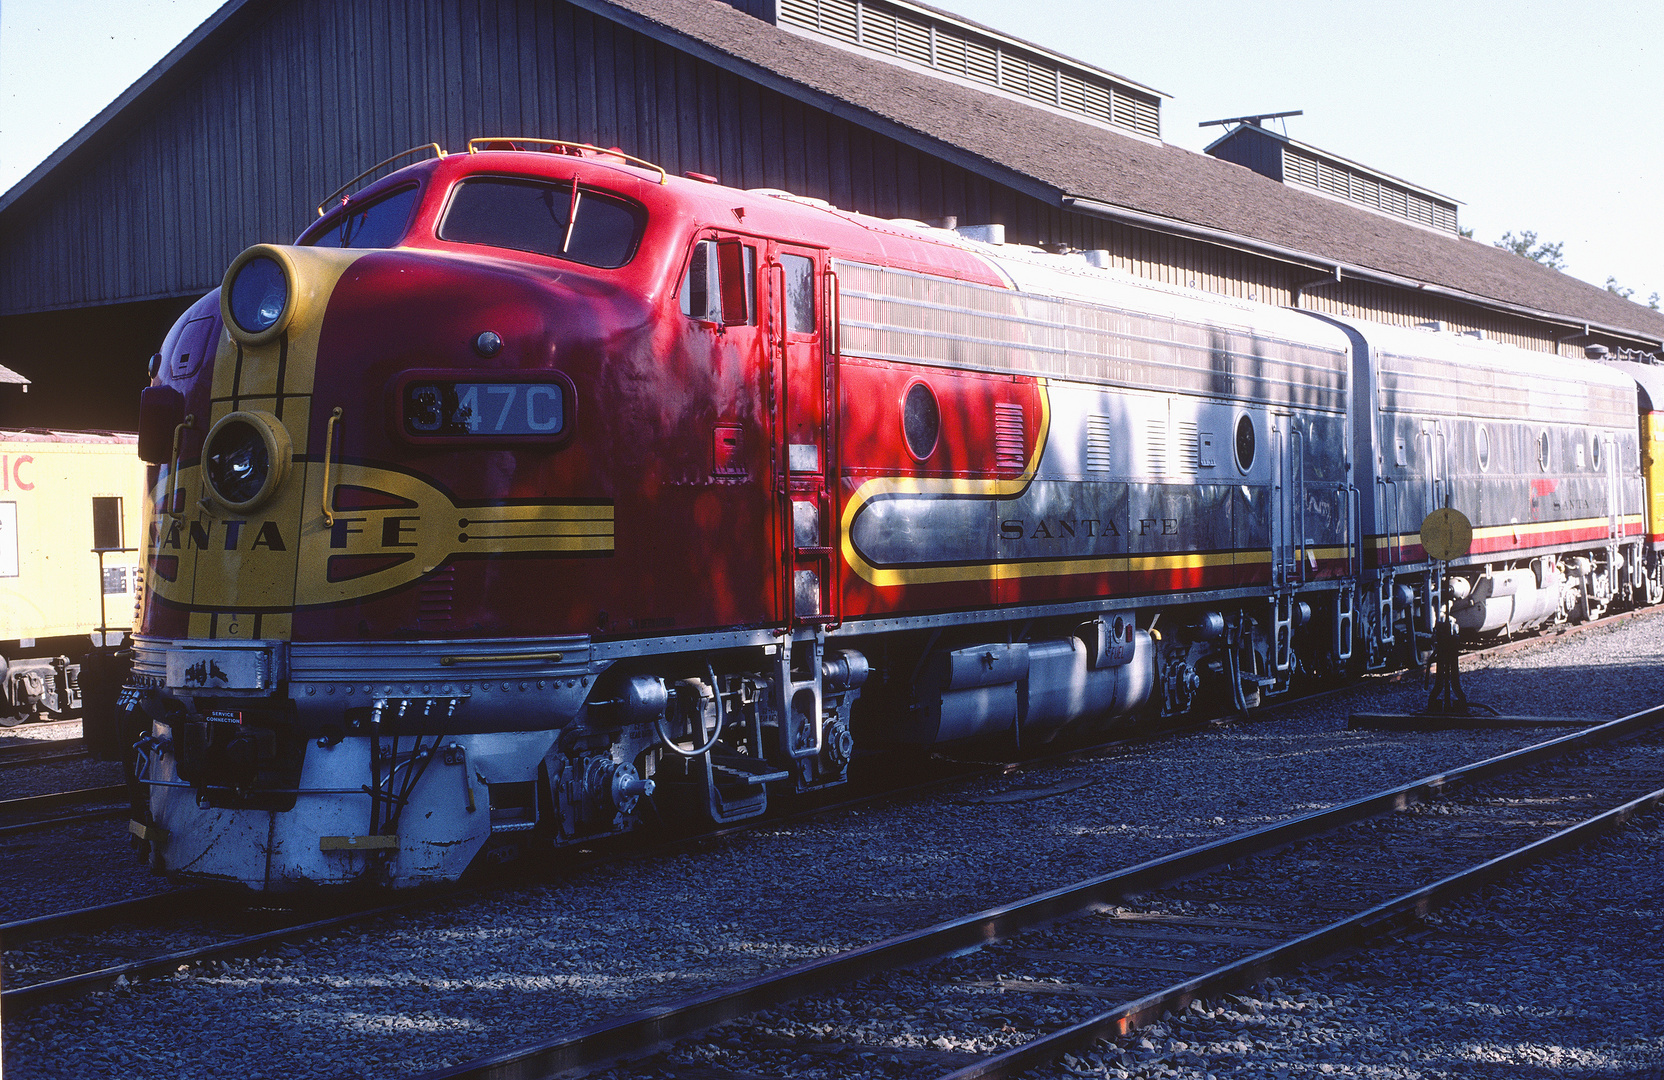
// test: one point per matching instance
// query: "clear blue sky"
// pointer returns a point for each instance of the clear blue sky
(1536, 115)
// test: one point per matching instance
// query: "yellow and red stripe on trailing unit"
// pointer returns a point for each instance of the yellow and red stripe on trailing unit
(1521, 536)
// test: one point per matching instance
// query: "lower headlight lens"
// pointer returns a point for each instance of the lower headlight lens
(259, 293)
(245, 458)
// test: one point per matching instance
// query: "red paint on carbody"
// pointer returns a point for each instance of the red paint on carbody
(681, 426)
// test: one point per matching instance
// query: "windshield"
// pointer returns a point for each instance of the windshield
(561, 219)
(380, 224)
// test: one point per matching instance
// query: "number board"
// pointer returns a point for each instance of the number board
(450, 408)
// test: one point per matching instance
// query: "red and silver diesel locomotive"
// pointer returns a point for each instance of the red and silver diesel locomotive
(532, 483)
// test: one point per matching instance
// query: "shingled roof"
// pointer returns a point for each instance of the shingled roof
(1073, 163)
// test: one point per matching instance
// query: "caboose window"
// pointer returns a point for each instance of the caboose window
(380, 224)
(106, 522)
(563, 220)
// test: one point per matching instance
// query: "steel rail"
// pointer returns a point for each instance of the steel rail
(64, 819)
(1316, 946)
(637, 1032)
(36, 750)
(171, 902)
(30, 803)
(104, 915)
(70, 986)
(182, 902)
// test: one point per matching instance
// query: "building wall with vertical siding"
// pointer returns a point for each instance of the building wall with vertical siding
(307, 93)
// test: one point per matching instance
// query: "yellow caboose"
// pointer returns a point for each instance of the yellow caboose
(70, 560)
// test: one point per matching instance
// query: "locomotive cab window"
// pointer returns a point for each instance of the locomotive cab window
(380, 224)
(720, 285)
(566, 221)
(800, 293)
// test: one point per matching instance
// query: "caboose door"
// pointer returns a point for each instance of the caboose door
(797, 304)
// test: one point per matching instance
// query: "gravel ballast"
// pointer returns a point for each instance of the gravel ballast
(403, 995)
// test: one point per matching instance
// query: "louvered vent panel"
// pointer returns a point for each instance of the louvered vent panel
(1072, 92)
(1010, 440)
(980, 63)
(1331, 179)
(839, 18)
(1098, 101)
(834, 18)
(950, 53)
(878, 29)
(1157, 445)
(875, 25)
(1124, 111)
(1147, 118)
(805, 13)
(436, 598)
(1299, 169)
(1043, 84)
(913, 41)
(1185, 454)
(1014, 74)
(1098, 443)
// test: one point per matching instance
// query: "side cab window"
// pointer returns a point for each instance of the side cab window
(800, 293)
(720, 284)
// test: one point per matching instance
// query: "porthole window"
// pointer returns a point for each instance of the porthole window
(921, 420)
(1542, 450)
(1594, 451)
(1482, 447)
(1244, 442)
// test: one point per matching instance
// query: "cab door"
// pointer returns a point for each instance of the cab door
(1287, 501)
(797, 297)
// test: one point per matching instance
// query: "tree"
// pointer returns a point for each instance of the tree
(1526, 245)
(1627, 293)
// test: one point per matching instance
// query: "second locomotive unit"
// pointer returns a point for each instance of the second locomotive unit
(532, 483)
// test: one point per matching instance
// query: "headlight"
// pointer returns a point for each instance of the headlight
(245, 458)
(257, 298)
(259, 293)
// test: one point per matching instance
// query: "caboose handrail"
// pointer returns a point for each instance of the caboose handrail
(474, 148)
(329, 200)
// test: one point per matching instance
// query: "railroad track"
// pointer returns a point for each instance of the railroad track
(87, 804)
(70, 955)
(1124, 948)
(61, 956)
(35, 751)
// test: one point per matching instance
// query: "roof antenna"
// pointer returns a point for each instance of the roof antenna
(1256, 120)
